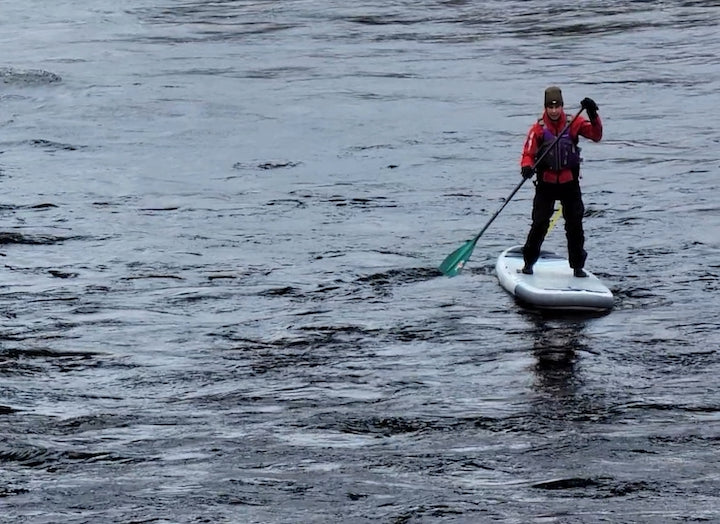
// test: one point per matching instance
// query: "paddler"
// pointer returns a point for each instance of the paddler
(558, 176)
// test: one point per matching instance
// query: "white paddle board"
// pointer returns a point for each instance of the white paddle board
(552, 284)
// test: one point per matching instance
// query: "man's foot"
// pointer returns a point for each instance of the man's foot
(580, 272)
(527, 270)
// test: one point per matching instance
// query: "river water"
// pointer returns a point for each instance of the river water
(220, 225)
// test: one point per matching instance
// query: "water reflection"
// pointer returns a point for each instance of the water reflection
(557, 346)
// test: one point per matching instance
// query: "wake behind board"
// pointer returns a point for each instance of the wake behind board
(552, 284)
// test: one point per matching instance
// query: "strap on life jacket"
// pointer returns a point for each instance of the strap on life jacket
(541, 121)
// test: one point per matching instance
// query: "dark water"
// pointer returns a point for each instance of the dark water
(220, 223)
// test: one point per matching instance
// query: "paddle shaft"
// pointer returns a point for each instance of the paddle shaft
(517, 188)
(554, 219)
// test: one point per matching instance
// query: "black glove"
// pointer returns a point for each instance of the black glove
(589, 105)
(527, 172)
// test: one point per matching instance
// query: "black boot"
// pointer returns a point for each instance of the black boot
(580, 272)
(527, 270)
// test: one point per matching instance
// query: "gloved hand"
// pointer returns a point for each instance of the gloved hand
(527, 172)
(589, 105)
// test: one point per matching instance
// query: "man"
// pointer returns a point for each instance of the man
(558, 176)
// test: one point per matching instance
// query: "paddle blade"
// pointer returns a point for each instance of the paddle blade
(455, 261)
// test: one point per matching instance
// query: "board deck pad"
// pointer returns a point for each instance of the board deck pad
(552, 284)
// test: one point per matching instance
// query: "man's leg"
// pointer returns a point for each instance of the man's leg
(543, 206)
(573, 211)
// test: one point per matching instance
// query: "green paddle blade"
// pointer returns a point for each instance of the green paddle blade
(456, 260)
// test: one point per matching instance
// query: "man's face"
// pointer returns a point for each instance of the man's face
(554, 111)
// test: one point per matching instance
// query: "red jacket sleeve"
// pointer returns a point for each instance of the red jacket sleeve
(591, 130)
(531, 145)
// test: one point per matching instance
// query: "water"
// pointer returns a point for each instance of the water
(220, 227)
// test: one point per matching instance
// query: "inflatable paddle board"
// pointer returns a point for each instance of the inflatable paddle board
(552, 284)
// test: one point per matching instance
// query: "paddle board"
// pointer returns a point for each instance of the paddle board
(552, 284)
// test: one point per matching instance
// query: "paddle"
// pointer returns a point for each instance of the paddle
(554, 218)
(455, 261)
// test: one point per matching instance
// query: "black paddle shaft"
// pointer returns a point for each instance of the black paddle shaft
(517, 188)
